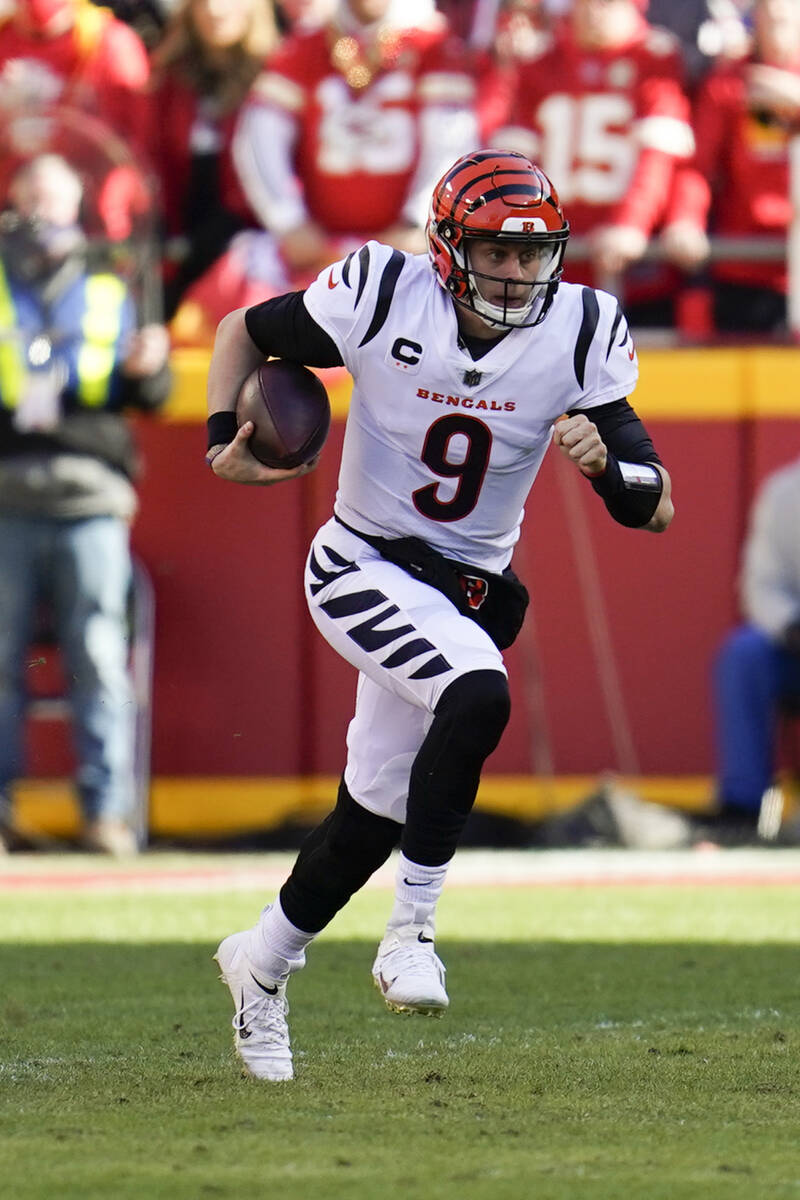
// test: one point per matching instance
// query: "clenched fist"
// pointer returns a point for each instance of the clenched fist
(578, 439)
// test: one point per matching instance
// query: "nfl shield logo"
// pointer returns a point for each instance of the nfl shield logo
(472, 378)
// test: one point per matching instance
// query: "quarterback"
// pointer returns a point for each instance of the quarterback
(466, 364)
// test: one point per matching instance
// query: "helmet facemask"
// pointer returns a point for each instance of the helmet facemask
(524, 300)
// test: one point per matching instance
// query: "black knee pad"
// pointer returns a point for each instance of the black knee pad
(468, 723)
(476, 708)
(335, 860)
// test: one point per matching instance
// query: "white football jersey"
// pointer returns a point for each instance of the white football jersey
(438, 445)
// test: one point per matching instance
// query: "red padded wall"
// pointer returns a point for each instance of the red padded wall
(244, 684)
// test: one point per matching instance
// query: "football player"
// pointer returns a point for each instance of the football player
(466, 364)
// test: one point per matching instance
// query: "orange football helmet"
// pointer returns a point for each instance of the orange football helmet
(496, 194)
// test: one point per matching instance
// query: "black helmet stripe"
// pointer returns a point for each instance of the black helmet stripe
(493, 175)
(512, 189)
(459, 195)
(463, 165)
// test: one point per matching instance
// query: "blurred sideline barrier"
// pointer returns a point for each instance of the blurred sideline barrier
(203, 809)
(676, 383)
(250, 707)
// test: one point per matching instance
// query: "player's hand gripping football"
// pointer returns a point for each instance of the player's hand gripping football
(577, 438)
(235, 462)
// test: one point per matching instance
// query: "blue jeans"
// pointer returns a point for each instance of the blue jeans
(753, 676)
(82, 569)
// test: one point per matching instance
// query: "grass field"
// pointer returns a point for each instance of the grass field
(602, 1041)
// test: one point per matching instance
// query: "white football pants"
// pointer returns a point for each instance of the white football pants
(408, 644)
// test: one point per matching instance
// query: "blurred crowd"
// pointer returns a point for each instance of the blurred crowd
(259, 140)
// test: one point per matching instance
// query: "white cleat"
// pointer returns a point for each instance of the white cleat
(409, 974)
(261, 1035)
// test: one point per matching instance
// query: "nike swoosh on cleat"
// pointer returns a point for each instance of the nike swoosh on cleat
(271, 991)
(241, 1028)
(421, 938)
(411, 883)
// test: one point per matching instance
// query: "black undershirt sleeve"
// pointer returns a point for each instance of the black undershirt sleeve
(283, 328)
(621, 430)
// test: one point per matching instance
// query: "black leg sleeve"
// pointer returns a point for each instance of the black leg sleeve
(335, 860)
(467, 726)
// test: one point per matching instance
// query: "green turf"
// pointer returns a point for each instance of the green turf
(618, 1042)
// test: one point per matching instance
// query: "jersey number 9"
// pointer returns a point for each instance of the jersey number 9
(469, 470)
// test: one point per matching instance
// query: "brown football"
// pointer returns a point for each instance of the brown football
(289, 408)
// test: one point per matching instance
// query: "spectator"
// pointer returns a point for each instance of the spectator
(73, 54)
(348, 128)
(210, 55)
(604, 111)
(88, 72)
(757, 671)
(70, 360)
(738, 181)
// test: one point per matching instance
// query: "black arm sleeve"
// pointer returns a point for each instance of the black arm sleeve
(628, 441)
(621, 430)
(284, 328)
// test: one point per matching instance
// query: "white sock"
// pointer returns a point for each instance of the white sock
(277, 947)
(416, 892)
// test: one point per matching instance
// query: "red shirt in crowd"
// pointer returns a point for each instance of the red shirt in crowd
(99, 65)
(607, 126)
(738, 181)
(357, 125)
(99, 68)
